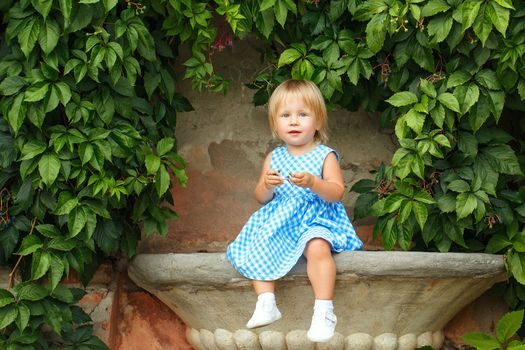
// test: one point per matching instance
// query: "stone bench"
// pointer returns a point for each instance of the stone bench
(383, 300)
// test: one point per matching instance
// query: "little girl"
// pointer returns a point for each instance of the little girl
(300, 186)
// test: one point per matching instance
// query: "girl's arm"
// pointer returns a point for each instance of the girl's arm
(331, 188)
(268, 180)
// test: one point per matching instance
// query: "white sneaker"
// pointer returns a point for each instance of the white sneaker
(266, 312)
(323, 326)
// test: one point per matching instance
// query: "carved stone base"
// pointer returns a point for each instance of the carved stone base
(383, 300)
(244, 339)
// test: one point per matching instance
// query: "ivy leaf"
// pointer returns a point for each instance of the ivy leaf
(11, 85)
(447, 203)
(40, 264)
(48, 38)
(421, 213)
(415, 120)
(6, 298)
(23, 317)
(469, 13)
(376, 32)
(459, 186)
(483, 25)
(266, 4)
(48, 167)
(165, 145)
(152, 163)
(499, 16)
(30, 291)
(281, 12)
(449, 101)
(42, 6)
(428, 88)
(403, 98)
(7, 316)
(29, 35)
(481, 341)
(288, 56)
(30, 244)
(508, 325)
(459, 77)
(468, 144)
(439, 27)
(76, 221)
(465, 204)
(162, 180)
(433, 7)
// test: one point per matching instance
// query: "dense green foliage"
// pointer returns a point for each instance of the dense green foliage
(88, 105)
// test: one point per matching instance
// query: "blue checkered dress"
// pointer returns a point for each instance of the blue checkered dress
(275, 236)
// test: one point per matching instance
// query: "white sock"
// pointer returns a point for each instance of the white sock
(323, 304)
(267, 296)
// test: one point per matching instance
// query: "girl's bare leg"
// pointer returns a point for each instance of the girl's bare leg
(320, 267)
(263, 287)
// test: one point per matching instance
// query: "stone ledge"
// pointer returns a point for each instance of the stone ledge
(389, 298)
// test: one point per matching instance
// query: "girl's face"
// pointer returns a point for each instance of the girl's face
(295, 122)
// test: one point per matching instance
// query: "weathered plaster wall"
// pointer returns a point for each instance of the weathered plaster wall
(225, 141)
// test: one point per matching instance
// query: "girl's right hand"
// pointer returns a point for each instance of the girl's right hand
(272, 179)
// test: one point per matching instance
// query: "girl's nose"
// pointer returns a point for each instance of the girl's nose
(294, 120)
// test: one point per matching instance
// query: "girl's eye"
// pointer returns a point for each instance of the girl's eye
(303, 115)
(285, 115)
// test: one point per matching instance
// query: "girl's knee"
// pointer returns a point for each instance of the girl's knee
(317, 247)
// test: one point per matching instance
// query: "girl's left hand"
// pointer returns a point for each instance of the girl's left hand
(305, 179)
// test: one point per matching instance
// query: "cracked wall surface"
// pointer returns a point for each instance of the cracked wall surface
(225, 140)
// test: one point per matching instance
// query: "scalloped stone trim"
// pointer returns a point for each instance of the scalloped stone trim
(244, 339)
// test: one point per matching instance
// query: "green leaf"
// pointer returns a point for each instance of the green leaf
(7, 316)
(42, 6)
(152, 163)
(281, 12)
(376, 32)
(483, 25)
(508, 325)
(266, 4)
(421, 213)
(165, 145)
(497, 243)
(439, 27)
(468, 144)
(517, 266)
(288, 56)
(48, 167)
(36, 92)
(85, 152)
(428, 88)
(76, 221)
(470, 98)
(40, 264)
(30, 244)
(109, 4)
(488, 79)
(6, 298)
(447, 203)
(438, 115)
(162, 180)
(30, 291)
(29, 35)
(459, 77)
(433, 7)
(32, 148)
(415, 120)
(23, 317)
(469, 12)
(465, 204)
(48, 38)
(499, 16)
(481, 341)
(66, 203)
(393, 202)
(403, 98)
(11, 85)
(449, 101)
(63, 294)
(504, 158)
(404, 211)
(459, 186)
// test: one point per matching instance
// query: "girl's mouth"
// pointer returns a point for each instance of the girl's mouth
(294, 132)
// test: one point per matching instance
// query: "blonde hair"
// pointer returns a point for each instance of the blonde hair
(311, 96)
